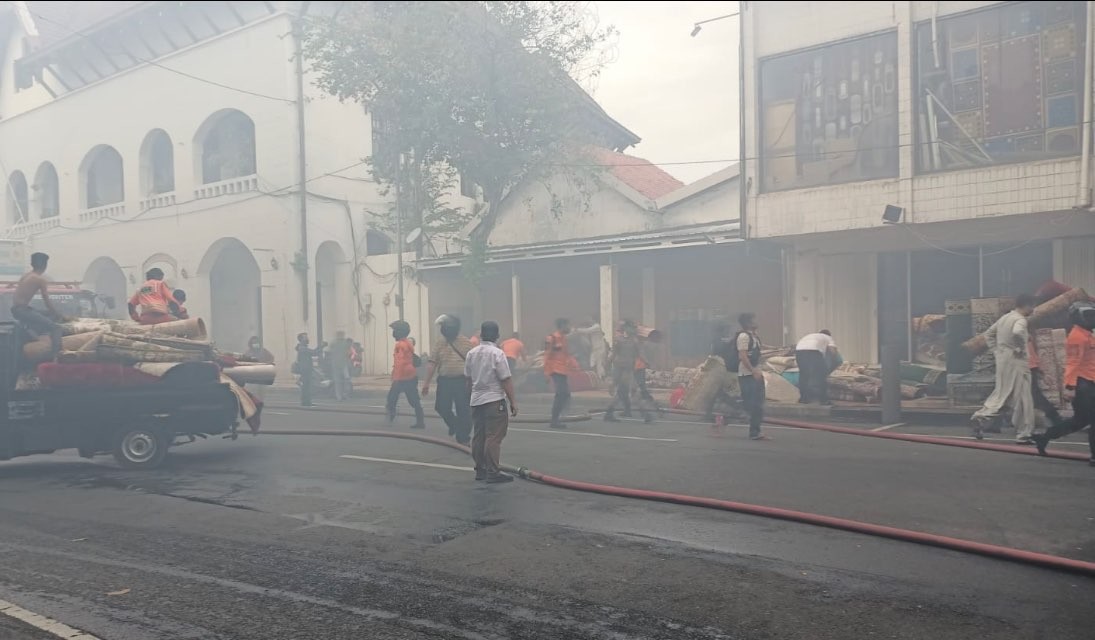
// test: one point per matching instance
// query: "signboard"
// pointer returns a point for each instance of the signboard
(13, 258)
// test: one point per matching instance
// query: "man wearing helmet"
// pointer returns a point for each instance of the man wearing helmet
(404, 375)
(447, 360)
(1079, 378)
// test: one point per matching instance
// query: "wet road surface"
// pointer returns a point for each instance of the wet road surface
(287, 537)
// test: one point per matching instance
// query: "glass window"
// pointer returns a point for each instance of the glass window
(829, 115)
(999, 85)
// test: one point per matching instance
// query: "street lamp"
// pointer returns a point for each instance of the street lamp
(698, 26)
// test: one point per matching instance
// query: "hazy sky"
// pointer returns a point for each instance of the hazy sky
(679, 93)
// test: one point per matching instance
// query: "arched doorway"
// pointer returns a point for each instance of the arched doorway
(331, 290)
(235, 293)
(105, 278)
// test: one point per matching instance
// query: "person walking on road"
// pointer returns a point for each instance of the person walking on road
(447, 360)
(750, 376)
(514, 350)
(622, 359)
(490, 386)
(305, 368)
(556, 368)
(1079, 379)
(1008, 338)
(812, 354)
(404, 375)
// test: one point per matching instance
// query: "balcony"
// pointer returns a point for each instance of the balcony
(228, 187)
(34, 227)
(87, 216)
(158, 200)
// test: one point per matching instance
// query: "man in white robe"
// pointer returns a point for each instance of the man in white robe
(1008, 337)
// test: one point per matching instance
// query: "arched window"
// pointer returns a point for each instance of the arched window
(47, 197)
(157, 164)
(17, 198)
(101, 177)
(226, 144)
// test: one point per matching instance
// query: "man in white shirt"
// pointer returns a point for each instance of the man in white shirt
(811, 354)
(490, 384)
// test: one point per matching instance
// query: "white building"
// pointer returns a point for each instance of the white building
(973, 117)
(141, 134)
(642, 246)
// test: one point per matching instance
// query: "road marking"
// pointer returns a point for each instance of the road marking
(275, 413)
(888, 426)
(593, 435)
(43, 623)
(409, 462)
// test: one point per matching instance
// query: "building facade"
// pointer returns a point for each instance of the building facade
(141, 134)
(970, 120)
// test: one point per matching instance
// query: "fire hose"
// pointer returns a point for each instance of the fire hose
(956, 544)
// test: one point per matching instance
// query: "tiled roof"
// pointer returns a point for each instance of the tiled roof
(638, 173)
(57, 21)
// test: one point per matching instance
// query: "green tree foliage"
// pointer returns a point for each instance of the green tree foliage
(482, 90)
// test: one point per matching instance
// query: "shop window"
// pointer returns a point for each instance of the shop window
(829, 115)
(999, 85)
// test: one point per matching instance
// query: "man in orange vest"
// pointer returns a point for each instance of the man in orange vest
(1079, 379)
(154, 298)
(514, 350)
(556, 367)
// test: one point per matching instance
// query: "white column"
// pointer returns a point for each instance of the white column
(610, 298)
(650, 315)
(515, 288)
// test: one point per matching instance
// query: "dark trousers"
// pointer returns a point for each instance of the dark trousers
(752, 400)
(1041, 402)
(491, 424)
(453, 404)
(813, 376)
(622, 380)
(562, 396)
(410, 389)
(1083, 407)
(306, 377)
(640, 382)
(40, 324)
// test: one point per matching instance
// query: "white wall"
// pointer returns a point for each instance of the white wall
(715, 204)
(122, 109)
(527, 216)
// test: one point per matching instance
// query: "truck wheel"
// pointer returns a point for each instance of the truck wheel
(140, 447)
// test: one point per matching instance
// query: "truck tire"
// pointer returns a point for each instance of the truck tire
(140, 447)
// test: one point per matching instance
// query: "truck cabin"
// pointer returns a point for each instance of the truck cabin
(68, 298)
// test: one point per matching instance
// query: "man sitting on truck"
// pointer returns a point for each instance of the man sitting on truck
(154, 299)
(34, 281)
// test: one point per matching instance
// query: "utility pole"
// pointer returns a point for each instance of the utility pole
(302, 187)
(399, 236)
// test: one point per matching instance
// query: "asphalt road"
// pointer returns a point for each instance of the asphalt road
(278, 537)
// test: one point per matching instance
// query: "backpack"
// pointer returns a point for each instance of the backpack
(734, 361)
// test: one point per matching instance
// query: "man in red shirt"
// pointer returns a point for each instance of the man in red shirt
(556, 367)
(154, 299)
(404, 375)
(1079, 378)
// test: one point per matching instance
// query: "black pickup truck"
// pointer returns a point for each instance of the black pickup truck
(137, 424)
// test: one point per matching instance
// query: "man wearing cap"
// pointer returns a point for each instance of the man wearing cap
(490, 385)
(447, 360)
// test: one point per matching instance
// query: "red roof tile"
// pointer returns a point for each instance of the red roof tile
(638, 173)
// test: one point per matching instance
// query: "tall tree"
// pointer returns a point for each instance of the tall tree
(485, 89)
